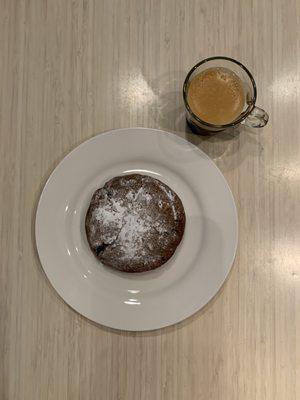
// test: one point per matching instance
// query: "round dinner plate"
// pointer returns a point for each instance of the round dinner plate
(137, 301)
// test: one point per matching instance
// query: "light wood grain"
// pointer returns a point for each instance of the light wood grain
(71, 69)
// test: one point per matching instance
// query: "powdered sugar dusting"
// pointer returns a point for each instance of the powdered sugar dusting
(132, 234)
(133, 222)
(171, 198)
(128, 226)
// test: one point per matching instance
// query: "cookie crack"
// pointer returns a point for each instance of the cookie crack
(102, 247)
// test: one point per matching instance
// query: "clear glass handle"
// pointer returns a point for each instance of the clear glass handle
(257, 118)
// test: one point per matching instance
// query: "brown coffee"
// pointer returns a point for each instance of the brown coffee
(216, 95)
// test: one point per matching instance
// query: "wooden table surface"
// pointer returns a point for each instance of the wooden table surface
(72, 69)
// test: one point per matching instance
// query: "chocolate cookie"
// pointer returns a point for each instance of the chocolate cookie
(134, 223)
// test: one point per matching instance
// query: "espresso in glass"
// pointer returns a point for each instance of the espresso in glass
(216, 96)
(219, 93)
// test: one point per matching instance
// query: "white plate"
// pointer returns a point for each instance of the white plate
(152, 299)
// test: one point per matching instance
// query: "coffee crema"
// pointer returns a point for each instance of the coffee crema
(216, 96)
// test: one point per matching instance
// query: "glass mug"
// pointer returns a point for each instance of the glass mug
(250, 116)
